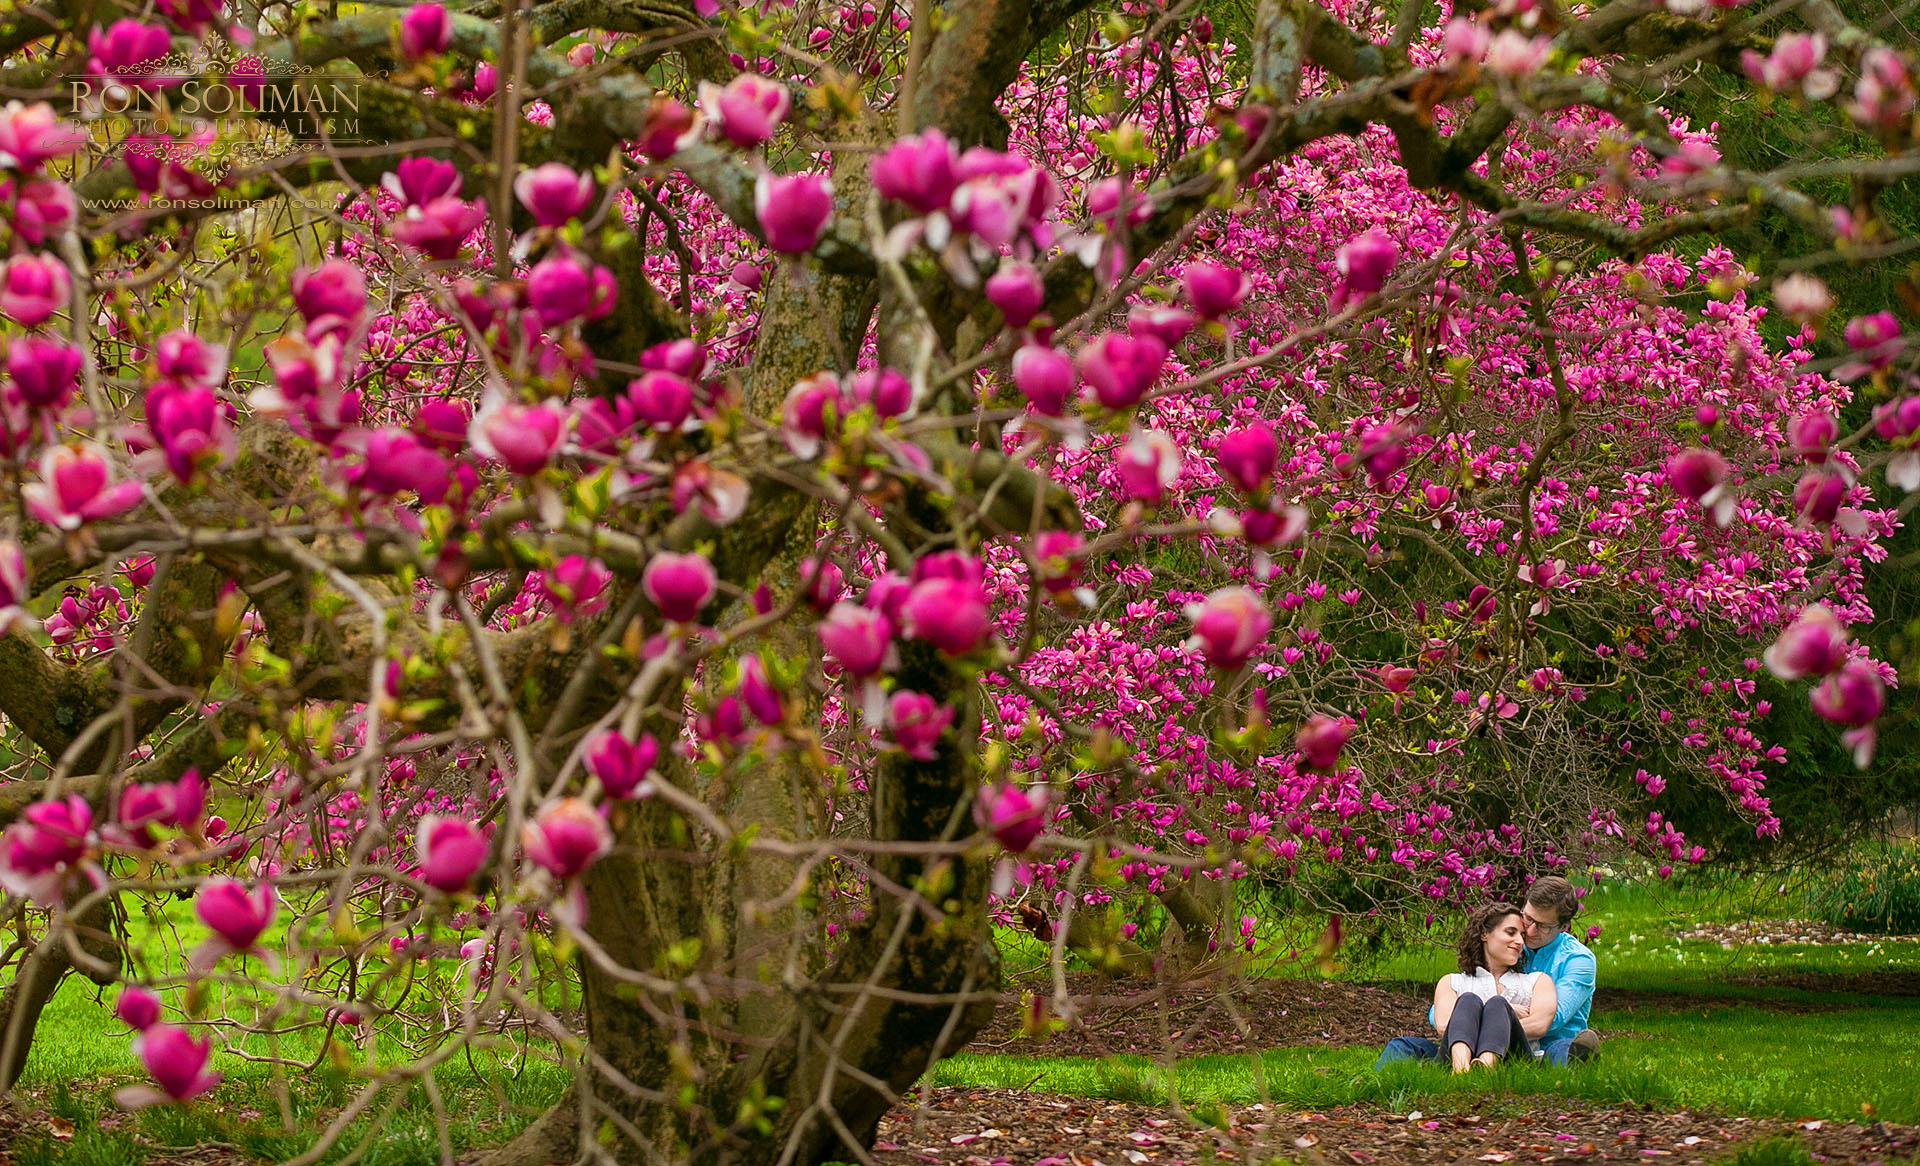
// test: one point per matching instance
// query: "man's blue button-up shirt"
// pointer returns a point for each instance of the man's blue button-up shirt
(1570, 966)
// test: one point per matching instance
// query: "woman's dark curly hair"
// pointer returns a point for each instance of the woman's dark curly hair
(1473, 942)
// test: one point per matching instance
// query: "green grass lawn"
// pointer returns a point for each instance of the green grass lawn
(1729, 1052)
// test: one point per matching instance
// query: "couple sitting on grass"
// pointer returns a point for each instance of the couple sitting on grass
(1523, 988)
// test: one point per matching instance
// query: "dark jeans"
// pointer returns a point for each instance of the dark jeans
(1419, 1048)
(1487, 1026)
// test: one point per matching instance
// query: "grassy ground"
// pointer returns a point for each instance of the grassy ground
(1730, 1052)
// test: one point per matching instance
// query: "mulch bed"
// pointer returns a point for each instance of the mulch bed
(1003, 1127)
(1851, 983)
(1771, 932)
(1227, 1016)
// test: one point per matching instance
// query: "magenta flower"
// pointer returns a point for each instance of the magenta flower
(43, 370)
(662, 400)
(15, 587)
(42, 208)
(916, 722)
(33, 134)
(236, 915)
(679, 585)
(1793, 64)
(918, 171)
(76, 487)
(683, 358)
(1121, 368)
(812, 413)
(1876, 343)
(1167, 325)
(625, 768)
(859, 638)
(1701, 475)
(335, 290)
(1147, 466)
(122, 49)
(1814, 644)
(951, 614)
(757, 691)
(793, 210)
(1855, 695)
(137, 1008)
(523, 438)
(553, 193)
(1011, 815)
(189, 426)
(1105, 196)
(451, 851)
(566, 837)
(1247, 458)
(574, 586)
(35, 287)
(42, 844)
(1884, 96)
(1819, 495)
(1383, 451)
(599, 423)
(561, 288)
(1046, 377)
(1213, 290)
(396, 461)
(1321, 739)
(747, 109)
(1017, 289)
(825, 583)
(438, 228)
(886, 389)
(417, 181)
(182, 356)
(1364, 263)
(425, 30)
(669, 128)
(444, 424)
(1230, 626)
(1058, 553)
(177, 805)
(1811, 434)
(177, 1063)
(1803, 297)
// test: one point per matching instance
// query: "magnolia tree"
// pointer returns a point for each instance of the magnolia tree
(736, 504)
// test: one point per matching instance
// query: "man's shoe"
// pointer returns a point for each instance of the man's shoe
(1586, 1043)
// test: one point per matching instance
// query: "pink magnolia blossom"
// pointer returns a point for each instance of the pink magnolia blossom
(33, 134)
(182, 356)
(1814, 644)
(1321, 740)
(236, 916)
(812, 413)
(1213, 290)
(669, 128)
(438, 228)
(680, 585)
(793, 210)
(1876, 343)
(33, 289)
(1147, 465)
(1363, 263)
(886, 389)
(1793, 64)
(757, 691)
(15, 587)
(1167, 325)
(121, 50)
(43, 208)
(916, 722)
(425, 31)
(1513, 53)
(747, 109)
(1230, 626)
(335, 290)
(1058, 554)
(176, 1061)
(44, 370)
(177, 804)
(661, 400)
(190, 427)
(419, 180)
(859, 638)
(553, 193)
(951, 614)
(46, 841)
(918, 171)
(1046, 377)
(1700, 475)
(1018, 291)
(624, 767)
(1803, 297)
(523, 438)
(1014, 817)
(450, 851)
(76, 487)
(1884, 96)
(395, 461)
(1820, 493)
(574, 586)
(566, 837)
(1247, 458)
(1121, 368)
(137, 1008)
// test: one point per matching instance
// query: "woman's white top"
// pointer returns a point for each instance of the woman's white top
(1517, 987)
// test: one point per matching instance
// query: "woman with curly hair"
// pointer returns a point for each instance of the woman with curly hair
(1489, 1010)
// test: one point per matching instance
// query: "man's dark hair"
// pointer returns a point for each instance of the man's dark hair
(1555, 894)
(1473, 941)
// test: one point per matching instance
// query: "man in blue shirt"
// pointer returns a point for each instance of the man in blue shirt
(1549, 908)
